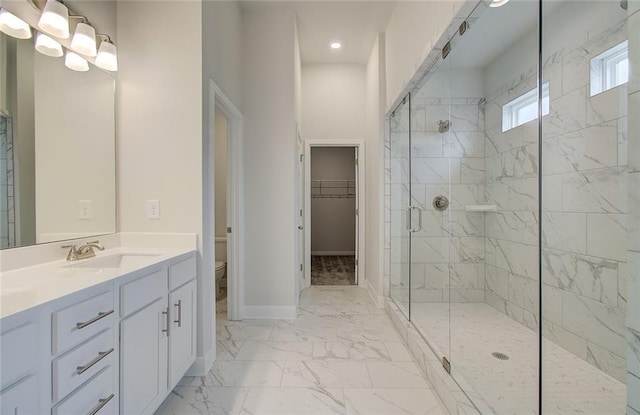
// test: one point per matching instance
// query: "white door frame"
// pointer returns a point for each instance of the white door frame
(360, 243)
(235, 205)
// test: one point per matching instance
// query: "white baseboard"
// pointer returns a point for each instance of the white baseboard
(325, 253)
(378, 300)
(270, 312)
(203, 364)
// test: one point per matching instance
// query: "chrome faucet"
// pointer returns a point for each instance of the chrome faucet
(85, 251)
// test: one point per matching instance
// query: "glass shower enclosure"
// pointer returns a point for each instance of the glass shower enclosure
(515, 207)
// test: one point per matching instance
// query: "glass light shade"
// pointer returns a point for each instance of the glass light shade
(48, 46)
(55, 19)
(107, 58)
(13, 25)
(84, 40)
(498, 3)
(76, 62)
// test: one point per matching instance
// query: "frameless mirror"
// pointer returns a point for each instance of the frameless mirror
(57, 148)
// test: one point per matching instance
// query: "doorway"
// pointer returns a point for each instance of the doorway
(334, 190)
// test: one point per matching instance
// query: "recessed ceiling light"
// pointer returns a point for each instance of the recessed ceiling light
(498, 3)
(336, 45)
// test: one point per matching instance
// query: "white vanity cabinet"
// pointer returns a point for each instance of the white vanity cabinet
(21, 377)
(157, 335)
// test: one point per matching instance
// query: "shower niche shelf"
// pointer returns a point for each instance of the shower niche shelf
(481, 208)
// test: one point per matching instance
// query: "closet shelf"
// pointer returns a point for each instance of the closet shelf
(333, 189)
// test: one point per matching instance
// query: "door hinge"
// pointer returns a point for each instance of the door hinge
(356, 262)
(301, 157)
(300, 212)
(446, 364)
(229, 229)
(300, 267)
(357, 212)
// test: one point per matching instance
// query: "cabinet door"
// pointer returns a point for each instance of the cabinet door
(182, 341)
(143, 359)
(20, 399)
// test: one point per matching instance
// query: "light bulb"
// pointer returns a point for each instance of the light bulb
(84, 40)
(48, 46)
(76, 62)
(336, 45)
(13, 25)
(107, 58)
(55, 19)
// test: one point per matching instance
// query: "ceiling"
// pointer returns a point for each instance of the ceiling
(355, 24)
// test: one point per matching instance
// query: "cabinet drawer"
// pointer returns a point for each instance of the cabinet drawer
(80, 364)
(138, 293)
(182, 272)
(18, 355)
(96, 397)
(81, 321)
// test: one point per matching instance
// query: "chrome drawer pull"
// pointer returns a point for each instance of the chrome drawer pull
(101, 404)
(100, 315)
(81, 369)
(179, 320)
(168, 329)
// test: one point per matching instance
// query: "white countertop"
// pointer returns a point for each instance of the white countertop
(29, 287)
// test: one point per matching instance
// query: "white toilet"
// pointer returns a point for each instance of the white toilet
(221, 270)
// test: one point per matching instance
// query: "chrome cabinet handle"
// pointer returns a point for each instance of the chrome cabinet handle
(100, 405)
(167, 330)
(100, 315)
(179, 320)
(81, 369)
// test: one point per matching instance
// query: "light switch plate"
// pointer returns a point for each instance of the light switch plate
(153, 209)
(86, 209)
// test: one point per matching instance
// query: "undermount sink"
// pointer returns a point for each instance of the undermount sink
(114, 261)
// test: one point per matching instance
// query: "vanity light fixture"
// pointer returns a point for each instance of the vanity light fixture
(48, 46)
(76, 62)
(498, 3)
(13, 25)
(84, 40)
(335, 45)
(107, 58)
(55, 19)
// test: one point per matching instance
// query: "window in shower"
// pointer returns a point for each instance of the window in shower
(524, 108)
(610, 69)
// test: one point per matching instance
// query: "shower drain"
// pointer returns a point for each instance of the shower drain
(500, 356)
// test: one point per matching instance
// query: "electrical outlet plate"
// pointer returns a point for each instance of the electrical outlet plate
(86, 209)
(153, 209)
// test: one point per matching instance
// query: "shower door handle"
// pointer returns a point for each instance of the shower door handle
(409, 211)
(417, 208)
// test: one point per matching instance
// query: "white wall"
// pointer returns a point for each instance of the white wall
(159, 112)
(374, 136)
(333, 101)
(269, 162)
(414, 28)
(333, 220)
(221, 132)
(222, 47)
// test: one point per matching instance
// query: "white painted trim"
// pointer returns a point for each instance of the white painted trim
(202, 365)
(377, 299)
(271, 312)
(326, 253)
(221, 239)
(235, 205)
(308, 143)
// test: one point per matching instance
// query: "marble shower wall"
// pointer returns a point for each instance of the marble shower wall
(448, 253)
(633, 278)
(7, 198)
(584, 200)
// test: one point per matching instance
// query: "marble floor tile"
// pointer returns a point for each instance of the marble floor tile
(326, 374)
(355, 351)
(393, 401)
(227, 349)
(240, 333)
(204, 401)
(294, 401)
(398, 352)
(396, 375)
(303, 334)
(368, 335)
(242, 373)
(287, 351)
